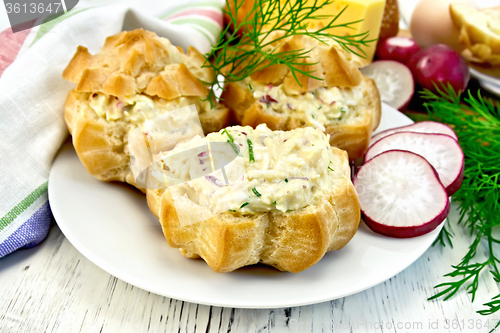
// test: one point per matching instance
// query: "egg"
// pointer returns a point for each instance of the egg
(431, 23)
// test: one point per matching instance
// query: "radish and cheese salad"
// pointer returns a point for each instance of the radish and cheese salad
(282, 170)
(315, 108)
(408, 175)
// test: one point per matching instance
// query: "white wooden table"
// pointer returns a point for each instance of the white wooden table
(53, 288)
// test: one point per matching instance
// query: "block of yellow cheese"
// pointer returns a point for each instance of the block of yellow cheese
(369, 11)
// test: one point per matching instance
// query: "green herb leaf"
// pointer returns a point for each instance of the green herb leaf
(247, 46)
(286, 180)
(254, 190)
(330, 169)
(477, 124)
(245, 204)
(250, 151)
(228, 135)
(231, 142)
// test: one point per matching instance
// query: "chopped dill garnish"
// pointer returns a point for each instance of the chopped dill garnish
(286, 180)
(254, 190)
(250, 151)
(228, 135)
(231, 142)
(331, 169)
(245, 204)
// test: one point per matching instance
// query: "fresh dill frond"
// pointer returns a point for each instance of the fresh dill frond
(247, 44)
(477, 124)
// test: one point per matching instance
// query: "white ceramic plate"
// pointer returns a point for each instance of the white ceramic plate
(488, 82)
(111, 225)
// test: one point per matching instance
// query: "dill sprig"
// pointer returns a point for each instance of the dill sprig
(477, 124)
(231, 142)
(254, 190)
(250, 151)
(248, 46)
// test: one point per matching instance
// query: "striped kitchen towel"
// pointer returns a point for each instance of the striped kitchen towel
(32, 93)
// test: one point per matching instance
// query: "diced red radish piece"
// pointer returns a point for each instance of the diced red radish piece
(400, 195)
(394, 81)
(442, 151)
(420, 127)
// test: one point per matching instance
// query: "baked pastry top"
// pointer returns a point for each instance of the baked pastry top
(341, 102)
(135, 78)
(283, 199)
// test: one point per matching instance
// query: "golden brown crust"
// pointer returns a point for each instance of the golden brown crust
(129, 64)
(291, 241)
(99, 144)
(352, 137)
(328, 63)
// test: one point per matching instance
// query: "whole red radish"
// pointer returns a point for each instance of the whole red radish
(399, 49)
(439, 64)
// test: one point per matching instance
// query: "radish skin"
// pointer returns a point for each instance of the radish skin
(441, 151)
(401, 195)
(431, 127)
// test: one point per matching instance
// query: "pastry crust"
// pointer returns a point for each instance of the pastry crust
(131, 64)
(352, 134)
(335, 68)
(289, 241)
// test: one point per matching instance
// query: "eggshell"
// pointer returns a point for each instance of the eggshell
(431, 23)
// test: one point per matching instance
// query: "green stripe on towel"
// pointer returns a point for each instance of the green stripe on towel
(208, 25)
(49, 25)
(177, 9)
(23, 205)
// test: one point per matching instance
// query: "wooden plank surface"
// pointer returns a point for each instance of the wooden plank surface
(53, 288)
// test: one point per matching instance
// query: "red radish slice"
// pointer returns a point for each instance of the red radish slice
(420, 127)
(442, 151)
(394, 81)
(400, 195)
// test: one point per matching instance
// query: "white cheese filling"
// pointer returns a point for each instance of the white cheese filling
(316, 108)
(275, 170)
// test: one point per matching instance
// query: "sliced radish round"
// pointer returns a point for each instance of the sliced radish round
(442, 151)
(400, 195)
(420, 127)
(394, 81)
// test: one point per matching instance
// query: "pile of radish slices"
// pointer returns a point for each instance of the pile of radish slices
(408, 175)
